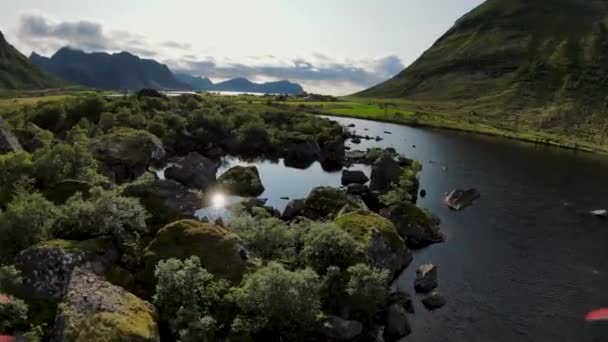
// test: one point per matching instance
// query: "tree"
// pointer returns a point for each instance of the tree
(326, 244)
(14, 166)
(186, 295)
(367, 290)
(268, 237)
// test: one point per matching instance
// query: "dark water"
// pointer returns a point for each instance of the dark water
(519, 265)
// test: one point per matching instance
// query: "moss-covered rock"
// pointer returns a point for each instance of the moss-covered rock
(416, 225)
(324, 202)
(242, 181)
(379, 239)
(97, 311)
(126, 153)
(193, 170)
(220, 251)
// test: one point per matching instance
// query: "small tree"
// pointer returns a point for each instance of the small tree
(268, 237)
(327, 245)
(367, 290)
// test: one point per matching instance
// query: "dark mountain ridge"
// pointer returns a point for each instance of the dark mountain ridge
(241, 84)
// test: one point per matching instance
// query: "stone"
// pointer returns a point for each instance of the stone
(337, 328)
(460, 199)
(8, 141)
(426, 278)
(194, 171)
(293, 209)
(242, 181)
(434, 301)
(357, 189)
(357, 176)
(323, 202)
(301, 153)
(418, 227)
(385, 172)
(397, 323)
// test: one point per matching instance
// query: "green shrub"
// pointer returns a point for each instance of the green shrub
(14, 166)
(326, 244)
(267, 237)
(367, 291)
(13, 315)
(186, 295)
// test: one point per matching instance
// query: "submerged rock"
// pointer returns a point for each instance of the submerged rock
(460, 199)
(95, 310)
(357, 177)
(426, 278)
(434, 301)
(194, 171)
(417, 226)
(323, 202)
(337, 328)
(293, 209)
(242, 181)
(397, 323)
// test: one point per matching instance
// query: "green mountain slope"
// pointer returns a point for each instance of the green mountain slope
(539, 64)
(17, 73)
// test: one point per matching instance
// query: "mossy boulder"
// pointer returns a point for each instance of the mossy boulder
(193, 170)
(327, 202)
(97, 311)
(242, 181)
(221, 252)
(385, 173)
(416, 225)
(379, 239)
(126, 153)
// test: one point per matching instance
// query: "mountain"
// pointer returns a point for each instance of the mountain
(119, 71)
(541, 62)
(17, 73)
(242, 85)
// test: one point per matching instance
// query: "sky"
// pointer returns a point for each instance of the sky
(329, 46)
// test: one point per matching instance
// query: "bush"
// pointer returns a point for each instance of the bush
(50, 116)
(14, 166)
(327, 245)
(367, 290)
(267, 237)
(13, 315)
(28, 220)
(333, 290)
(186, 295)
(279, 301)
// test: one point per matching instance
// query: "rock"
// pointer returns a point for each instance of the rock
(125, 154)
(219, 222)
(302, 153)
(387, 132)
(61, 191)
(336, 328)
(8, 141)
(434, 301)
(414, 224)
(379, 138)
(599, 213)
(293, 209)
(397, 324)
(379, 240)
(166, 200)
(32, 137)
(460, 199)
(242, 181)
(350, 177)
(285, 198)
(221, 252)
(351, 125)
(323, 202)
(333, 152)
(194, 171)
(95, 310)
(252, 202)
(356, 156)
(426, 278)
(356, 140)
(48, 266)
(385, 172)
(357, 189)
(423, 193)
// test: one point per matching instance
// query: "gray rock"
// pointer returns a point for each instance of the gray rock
(354, 177)
(434, 301)
(357, 189)
(397, 324)
(194, 171)
(333, 151)
(337, 328)
(293, 209)
(385, 172)
(8, 141)
(460, 199)
(416, 225)
(426, 278)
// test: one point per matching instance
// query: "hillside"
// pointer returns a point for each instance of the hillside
(17, 73)
(119, 71)
(540, 65)
(242, 85)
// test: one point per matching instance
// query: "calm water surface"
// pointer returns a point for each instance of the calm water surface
(523, 263)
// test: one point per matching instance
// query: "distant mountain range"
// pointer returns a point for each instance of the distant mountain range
(241, 85)
(16, 71)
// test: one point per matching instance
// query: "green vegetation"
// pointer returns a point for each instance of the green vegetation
(363, 225)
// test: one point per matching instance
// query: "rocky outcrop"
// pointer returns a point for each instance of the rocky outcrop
(8, 141)
(379, 240)
(166, 200)
(426, 278)
(354, 177)
(193, 170)
(47, 267)
(221, 252)
(242, 181)
(293, 209)
(300, 153)
(324, 202)
(95, 310)
(460, 199)
(333, 152)
(414, 224)
(434, 301)
(397, 323)
(125, 153)
(339, 329)
(385, 172)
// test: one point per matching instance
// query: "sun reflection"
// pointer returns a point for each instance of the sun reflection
(218, 200)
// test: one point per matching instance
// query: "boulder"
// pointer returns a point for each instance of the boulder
(293, 209)
(125, 154)
(323, 202)
(385, 172)
(95, 310)
(460, 199)
(301, 153)
(193, 170)
(166, 200)
(336, 328)
(356, 156)
(378, 237)
(357, 189)
(426, 278)
(357, 177)
(8, 141)
(417, 226)
(333, 151)
(434, 301)
(242, 181)
(397, 323)
(48, 266)
(221, 252)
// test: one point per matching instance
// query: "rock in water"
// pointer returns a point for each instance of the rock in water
(356, 177)
(337, 328)
(426, 278)
(434, 301)
(385, 171)
(95, 310)
(397, 325)
(194, 171)
(8, 141)
(417, 226)
(323, 202)
(242, 181)
(293, 209)
(302, 153)
(460, 199)
(600, 213)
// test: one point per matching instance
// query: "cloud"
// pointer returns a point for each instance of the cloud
(177, 45)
